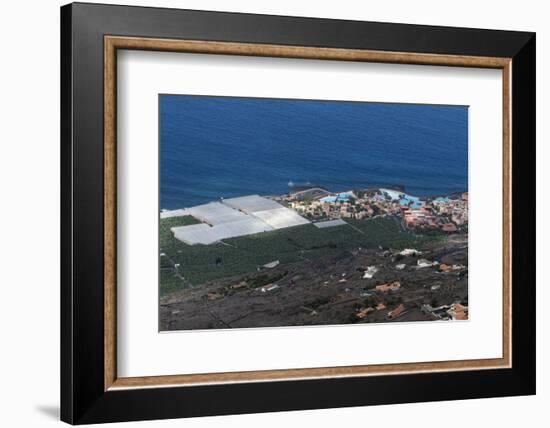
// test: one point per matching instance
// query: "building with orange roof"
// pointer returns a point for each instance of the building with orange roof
(364, 312)
(458, 312)
(449, 228)
(421, 217)
(397, 311)
(389, 286)
(445, 268)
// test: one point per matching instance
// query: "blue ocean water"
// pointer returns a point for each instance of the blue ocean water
(212, 147)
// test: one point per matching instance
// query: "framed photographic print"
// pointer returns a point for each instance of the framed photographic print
(266, 213)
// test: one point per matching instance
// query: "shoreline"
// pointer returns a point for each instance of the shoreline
(299, 189)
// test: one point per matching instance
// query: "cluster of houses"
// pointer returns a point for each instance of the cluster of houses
(342, 205)
(447, 214)
(454, 311)
(381, 290)
(398, 311)
(456, 209)
(381, 294)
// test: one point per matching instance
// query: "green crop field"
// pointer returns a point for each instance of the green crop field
(237, 256)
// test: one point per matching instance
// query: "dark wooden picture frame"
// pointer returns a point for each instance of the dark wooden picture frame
(90, 389)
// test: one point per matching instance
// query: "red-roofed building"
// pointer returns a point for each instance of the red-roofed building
(390, 286)
(449, 228)
(397, 311)
(458, 312)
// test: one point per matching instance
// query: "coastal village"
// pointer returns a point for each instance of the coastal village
(351, 283)
(448, 213)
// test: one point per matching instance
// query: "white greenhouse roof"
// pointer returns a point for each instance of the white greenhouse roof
(195, 234)
(215, 213)
(330, 223)
(251, 204)
(173, 213)
(248, 226)
(281, 217)
(234, 217)
(204, 234)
